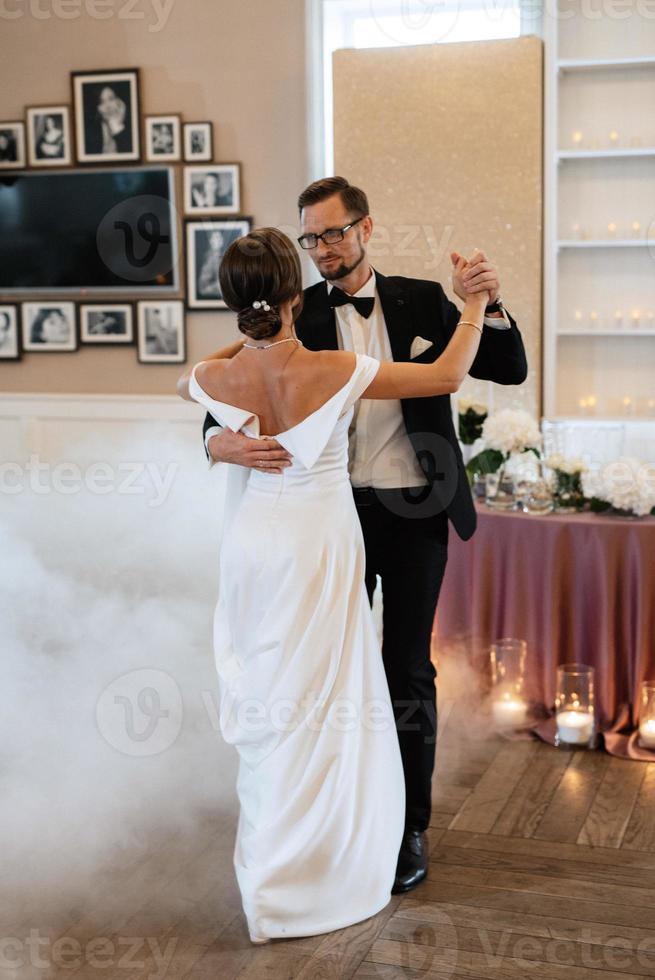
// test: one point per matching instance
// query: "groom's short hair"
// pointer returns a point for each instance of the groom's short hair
(353, 198)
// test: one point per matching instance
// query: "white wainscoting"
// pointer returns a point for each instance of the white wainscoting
(53, 425)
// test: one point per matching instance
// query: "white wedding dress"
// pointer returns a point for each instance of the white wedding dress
(303, 692)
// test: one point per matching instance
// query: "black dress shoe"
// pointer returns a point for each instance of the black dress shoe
(412, 862)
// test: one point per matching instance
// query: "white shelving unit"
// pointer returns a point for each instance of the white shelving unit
(599, 216)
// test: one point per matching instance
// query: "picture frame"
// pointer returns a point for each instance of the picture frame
(106, 110)
(206, 242)
(106, 323)
(49, 326)
(213, 188)
(12, 145)
(161, 331)
(198, 142)
(10, 348)
(163, 138)
(49, 136)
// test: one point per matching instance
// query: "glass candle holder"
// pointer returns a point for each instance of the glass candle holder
(647, 715)
(574, 705)
(508, 705)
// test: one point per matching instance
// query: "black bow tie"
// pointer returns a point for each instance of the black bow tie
(363, 304)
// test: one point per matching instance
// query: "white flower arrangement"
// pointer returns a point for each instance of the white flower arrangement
(565, 464)
(627, 484)
(511, 431)
(466, 404)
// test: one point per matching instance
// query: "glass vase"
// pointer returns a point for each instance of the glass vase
(574, 706)
(500, 488)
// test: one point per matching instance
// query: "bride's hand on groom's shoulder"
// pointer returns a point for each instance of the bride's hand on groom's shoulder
(266, 455)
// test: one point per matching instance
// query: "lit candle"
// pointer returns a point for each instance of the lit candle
(576, 136)
(618, 317)
(635, 316)
(578, 315)
(636, 228)
(628, 405)
(647, 733)
(651, 406)
(591, 401)
(593, 316)
(583, 404)
(614, 137)
(611, 229)
(575, 727)
(508, 712)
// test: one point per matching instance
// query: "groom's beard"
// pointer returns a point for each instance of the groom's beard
(343, 270)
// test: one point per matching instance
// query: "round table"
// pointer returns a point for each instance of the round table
(577, 587)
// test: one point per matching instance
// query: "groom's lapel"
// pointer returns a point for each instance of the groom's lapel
(316, 326)
(395, 306)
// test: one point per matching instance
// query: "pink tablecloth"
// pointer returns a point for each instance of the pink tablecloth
(576, 587)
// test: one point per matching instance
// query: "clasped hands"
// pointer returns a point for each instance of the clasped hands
(474, 275)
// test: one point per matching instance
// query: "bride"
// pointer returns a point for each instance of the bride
(303, 692)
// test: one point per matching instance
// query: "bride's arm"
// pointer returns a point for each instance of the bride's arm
(224, 354)
(400, 379)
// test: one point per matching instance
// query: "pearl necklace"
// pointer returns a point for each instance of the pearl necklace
(266, 346)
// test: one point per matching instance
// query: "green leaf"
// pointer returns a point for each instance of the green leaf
(488, 461)
(598, 506)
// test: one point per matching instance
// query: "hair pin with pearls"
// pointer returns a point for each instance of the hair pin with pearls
(261, 304)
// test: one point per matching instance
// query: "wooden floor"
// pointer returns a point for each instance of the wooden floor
(542, 866)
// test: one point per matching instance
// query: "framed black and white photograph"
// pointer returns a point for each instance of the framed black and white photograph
(49, 136)
(198, 141)
(49, 326)
(161, 333)
(12, 145)
(163, 138)
(106, 109)
(9, 342)
(206, 242)
(106, 323)
(212, 189)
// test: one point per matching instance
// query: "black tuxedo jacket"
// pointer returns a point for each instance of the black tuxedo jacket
(420, 308)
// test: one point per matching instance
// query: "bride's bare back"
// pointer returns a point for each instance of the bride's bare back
(282, 385)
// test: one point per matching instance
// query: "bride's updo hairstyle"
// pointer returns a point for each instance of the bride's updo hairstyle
(262, 267)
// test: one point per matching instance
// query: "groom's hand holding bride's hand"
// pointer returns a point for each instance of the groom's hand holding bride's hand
(266, 455)
(474, 275)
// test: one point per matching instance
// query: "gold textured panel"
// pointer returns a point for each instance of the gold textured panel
(446, 139)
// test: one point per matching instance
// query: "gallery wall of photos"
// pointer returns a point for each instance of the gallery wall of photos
(104, 125)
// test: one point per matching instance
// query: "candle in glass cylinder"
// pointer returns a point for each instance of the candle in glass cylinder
(574, 705)
(647, 733)
(647, 715)
(508, 712)
(575, 727)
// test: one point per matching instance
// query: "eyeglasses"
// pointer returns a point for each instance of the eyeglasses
(330, 236)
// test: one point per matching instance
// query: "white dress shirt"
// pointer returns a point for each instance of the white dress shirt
(380, 452)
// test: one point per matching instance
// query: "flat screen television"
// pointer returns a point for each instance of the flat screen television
(88, 231)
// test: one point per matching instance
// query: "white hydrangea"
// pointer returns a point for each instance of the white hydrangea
(511, 431)
(464, 403)
(565, 464)
(626, 483)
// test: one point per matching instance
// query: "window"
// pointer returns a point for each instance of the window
(334, 24)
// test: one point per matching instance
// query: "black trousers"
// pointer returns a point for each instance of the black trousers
(408, 549)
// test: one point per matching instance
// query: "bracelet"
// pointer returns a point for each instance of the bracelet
(471, 324)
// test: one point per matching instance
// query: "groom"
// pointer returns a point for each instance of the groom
(405, 463)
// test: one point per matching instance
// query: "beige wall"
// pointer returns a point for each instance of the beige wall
(239, 63)
(447, 141)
